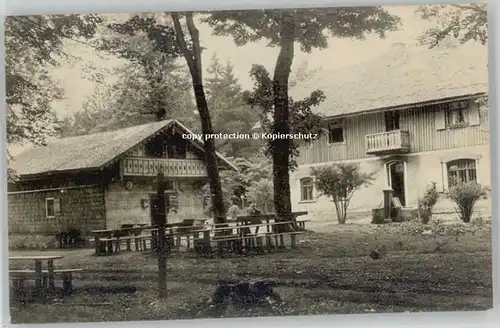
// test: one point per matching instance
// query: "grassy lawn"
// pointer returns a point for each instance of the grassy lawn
(421, 269)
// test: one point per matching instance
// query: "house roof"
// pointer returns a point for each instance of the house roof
(92, 151)
(403, 76)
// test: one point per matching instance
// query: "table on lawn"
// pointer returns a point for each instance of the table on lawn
(266, 218)
(98, 234)
(38, 259)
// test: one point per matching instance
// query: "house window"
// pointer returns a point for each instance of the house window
(335, 133)
(169, 185)
(50, 210)
(456, 113)
(306, 189)
(461, 171)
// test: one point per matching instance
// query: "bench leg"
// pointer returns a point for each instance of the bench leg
(67, 283)
(38, 278)
(18, 287)
(100, 248)
(269, 242)
(282, 241)
(96, 245)
(109, 247)
(260, 244)
(50, 267)
(144, 245)
(117, 246)
(129, 245)
(293, 240)
(178, 245)
(45, 281)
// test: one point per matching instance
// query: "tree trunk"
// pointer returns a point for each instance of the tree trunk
(161, 221)
(210, 156)
(281, 147)
(193, 59)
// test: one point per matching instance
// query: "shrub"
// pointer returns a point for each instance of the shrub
(465, 196)
(427, 202)
(340, 182)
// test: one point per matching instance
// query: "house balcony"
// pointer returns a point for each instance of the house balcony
(385, 143)
(189, 168)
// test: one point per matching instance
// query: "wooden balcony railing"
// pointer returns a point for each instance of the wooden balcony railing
(396, 141)
(135, 166)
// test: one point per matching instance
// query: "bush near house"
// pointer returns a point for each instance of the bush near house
(340, 182)
(465, 197)
(427, 202)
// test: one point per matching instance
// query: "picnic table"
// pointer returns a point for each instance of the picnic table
(176, 230)
(267, 218)
(38, 259)
(105, 238)
(100, 248)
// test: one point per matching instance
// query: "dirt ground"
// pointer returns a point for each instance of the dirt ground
(422, 268)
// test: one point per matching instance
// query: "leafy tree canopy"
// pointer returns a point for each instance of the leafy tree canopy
(465, 22)
(34, 45)
(312, 27)
(302, 118)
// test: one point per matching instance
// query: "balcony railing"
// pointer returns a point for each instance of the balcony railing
(396, 141)
(134, 166)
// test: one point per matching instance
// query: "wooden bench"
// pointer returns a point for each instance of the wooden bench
(302, 223)
(111, 245)
(18, 278)
(105, 246)
(236, 242)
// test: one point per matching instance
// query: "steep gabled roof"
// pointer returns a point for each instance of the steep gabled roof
(92, 151)
(406, 75)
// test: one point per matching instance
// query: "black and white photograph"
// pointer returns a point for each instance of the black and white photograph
(250, 163)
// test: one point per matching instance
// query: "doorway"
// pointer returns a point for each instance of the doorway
(391, 120)
(396, 176)
(154, 206)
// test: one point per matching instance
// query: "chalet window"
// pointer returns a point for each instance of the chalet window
(456, 113)
(177, 147)
(155, 148)
(391, 120)
(50, 208)
(461, 171)
(335, 132)
(306, 189)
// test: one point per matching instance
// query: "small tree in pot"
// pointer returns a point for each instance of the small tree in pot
(427, 202)
(340, 182)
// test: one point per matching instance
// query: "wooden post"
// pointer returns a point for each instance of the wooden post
(387, 202)
(161, 221)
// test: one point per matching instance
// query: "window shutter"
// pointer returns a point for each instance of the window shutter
(439, 119)
(473, 113)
